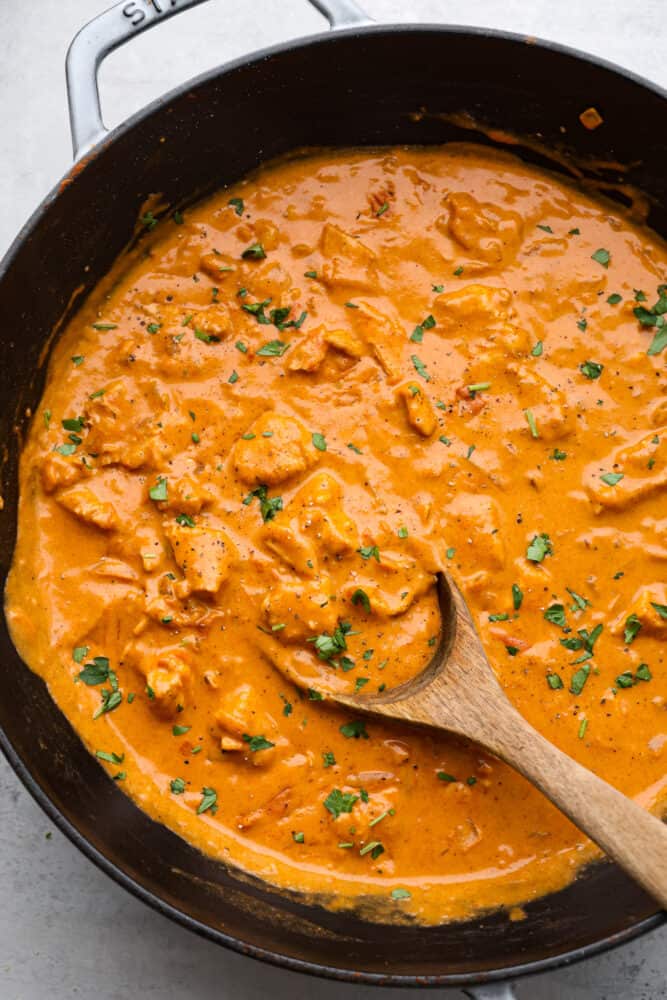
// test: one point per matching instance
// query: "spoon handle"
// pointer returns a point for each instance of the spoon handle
(629, 834)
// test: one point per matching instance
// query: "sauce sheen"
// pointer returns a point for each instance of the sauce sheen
(261, 438)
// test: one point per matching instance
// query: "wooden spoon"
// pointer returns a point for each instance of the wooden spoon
(458, 692)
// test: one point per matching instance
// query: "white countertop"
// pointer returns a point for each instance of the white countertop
(66, 930)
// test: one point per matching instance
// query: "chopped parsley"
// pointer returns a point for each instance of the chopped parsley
(361, 597)
(579, 678)
(611, 478)
(338, 802)
(110, 758)
(354, 730)
(420, 368)
(532, 424)
(319, 442)
(602, 256)
(159, 491)
(256, 743)
(329, 646)
(207, 338)
(417, 334)
(208, 801)
(237, 205)
(591, 369)
(96, 672)
(632, 627)
(273, 349)
(555, 614)
(374, 848)
(580, 603)
(517, 596)
(268, 506)
(369, 552)
(110, 699)
(654, 317)
(254, 252)
(539, 548)
(177, 786)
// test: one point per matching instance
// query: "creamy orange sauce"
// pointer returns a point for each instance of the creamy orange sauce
(257, 444)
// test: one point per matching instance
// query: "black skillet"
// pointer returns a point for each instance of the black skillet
(362, 84)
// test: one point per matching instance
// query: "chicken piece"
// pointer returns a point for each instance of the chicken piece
(418, 408)
(481, 315)
(309, 354)
(475, 519)
(177, 610)
(391, 584)
(481, 307)
(167, 672)
(296, 609)
(216, 264)
(123, 424)
(85, 504)
(288, 543)
(486, 231)
(241, 717)
(205, 555)
(58, 470)
(186, 495)
(280, 448)
(642, 467)
(548, 404)
(649, 605)
(345, 342)
(214, 321)
(114, 569)
(385, 337)
(267, 233)
(348, 262)
(317, 511)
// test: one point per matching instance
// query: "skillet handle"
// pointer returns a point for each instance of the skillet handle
(118, 25)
